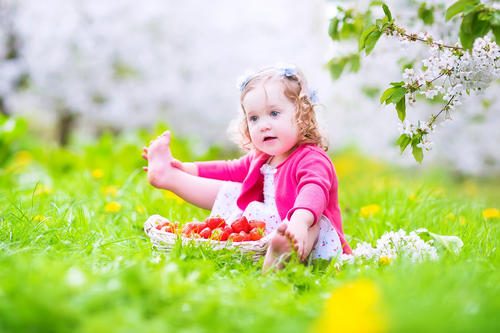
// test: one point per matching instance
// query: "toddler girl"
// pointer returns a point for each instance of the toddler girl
(286, 179)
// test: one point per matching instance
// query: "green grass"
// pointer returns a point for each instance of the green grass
(66, 264)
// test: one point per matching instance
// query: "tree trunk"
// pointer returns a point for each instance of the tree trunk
(66, 122)
(3, 109)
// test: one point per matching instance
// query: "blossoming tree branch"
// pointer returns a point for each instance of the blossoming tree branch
(451, 72)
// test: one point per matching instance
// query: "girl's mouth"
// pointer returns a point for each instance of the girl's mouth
(268, 138)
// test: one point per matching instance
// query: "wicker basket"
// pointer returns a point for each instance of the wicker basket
(164, 241)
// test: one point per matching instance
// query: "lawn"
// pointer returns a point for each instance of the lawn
(74, 256)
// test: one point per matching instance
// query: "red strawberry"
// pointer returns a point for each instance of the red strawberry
(256, 234)
(215, 222)
(199, 226)
(236, 237)
(206, 233)
(257, 224)
(226, 231)
(189, 229)
(246, 236)
(217, 233)
(240, 225)
(162, 224)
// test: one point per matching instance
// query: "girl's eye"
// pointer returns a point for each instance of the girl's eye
(274, 113)
(253, 118)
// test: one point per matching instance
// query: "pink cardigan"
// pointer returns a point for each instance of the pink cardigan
(305, 180)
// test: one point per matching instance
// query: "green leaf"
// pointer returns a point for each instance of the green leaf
(495, 20)
(386, 95)
(403, 142)
(472, 28)
(398, 84)
(387, 12)
(401, 108)
(417, 152)
(333, 29)
(459, 7)
(397, 95)
(465, 33)
(336, 67)
(364, 34)
(371, 40)
(484, 16)
(470, 9)
(426, 14)
(453, 244)
(496, 32)
(355, 63)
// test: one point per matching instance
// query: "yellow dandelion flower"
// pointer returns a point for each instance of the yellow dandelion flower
(491, 213)
(23, 157)
(110, 190)
(139, 209)
(112, 207)
(385, 260)
(412, 197)
(173, 196)
(462, 220)
(40, 190)
(97, 173)
(354, 307)
(370, 210)
(451, 216)
(39, 218)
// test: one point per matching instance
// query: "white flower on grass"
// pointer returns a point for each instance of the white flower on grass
(391, 245)
(75, 277)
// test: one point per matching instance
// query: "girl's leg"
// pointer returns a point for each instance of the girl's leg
(161, 174)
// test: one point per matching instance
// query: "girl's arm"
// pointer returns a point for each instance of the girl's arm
(233, 170)
(315, 177)
(188, 167)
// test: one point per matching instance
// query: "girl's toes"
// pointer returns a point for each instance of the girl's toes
(282, 229)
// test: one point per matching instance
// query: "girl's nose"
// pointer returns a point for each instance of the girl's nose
(264, 125)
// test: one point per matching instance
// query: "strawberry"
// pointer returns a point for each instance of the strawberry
(236, 237)
(206, 233)
(256, 234)
(162, 224)
(240, 225)
(257, 224)
(217, 233)
(246, 236)
(215, 222)
(226, 231)
(188, 229)
(199, 226)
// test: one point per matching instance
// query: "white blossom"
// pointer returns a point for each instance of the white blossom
(392, 245)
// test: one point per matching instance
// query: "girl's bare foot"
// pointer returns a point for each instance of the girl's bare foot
(161, 173)
(302, 237)
(278, 251)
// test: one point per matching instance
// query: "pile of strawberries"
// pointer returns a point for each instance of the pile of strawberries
(216, 228)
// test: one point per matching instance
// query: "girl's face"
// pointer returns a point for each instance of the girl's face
(271, 120)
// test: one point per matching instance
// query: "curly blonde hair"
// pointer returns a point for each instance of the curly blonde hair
(296, 90)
